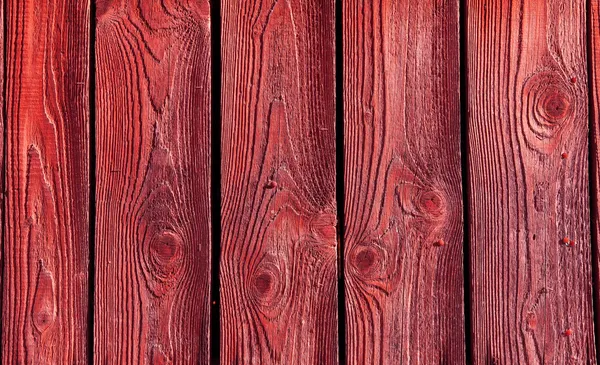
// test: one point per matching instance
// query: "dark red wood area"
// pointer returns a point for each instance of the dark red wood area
(403, 211)
(152, 194)
(278, 281)
(299, 182)
(46, 182)
(531, 284)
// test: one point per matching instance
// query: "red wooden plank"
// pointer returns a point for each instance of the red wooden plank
(278, 263)
(45, 292)
(153, 182)
(532, 295)
(403, 207)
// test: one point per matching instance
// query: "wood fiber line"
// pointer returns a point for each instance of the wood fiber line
(153, 182)
(45, 291)
(528, 165)
(279, 246)
(403, 211)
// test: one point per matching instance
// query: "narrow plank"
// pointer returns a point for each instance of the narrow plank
(278, 263)
(46, 237)
(403, 196)
(153, 182)
(527, 81)
(594, 71)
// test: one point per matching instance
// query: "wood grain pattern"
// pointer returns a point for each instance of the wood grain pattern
(153, 182)
(45, 292)
(527, 107)
(404, 287)
(278, 263)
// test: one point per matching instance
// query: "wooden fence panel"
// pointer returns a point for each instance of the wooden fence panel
(278, 262)
(46, 233)
(153, 102)
(528, 167)
(403, 197)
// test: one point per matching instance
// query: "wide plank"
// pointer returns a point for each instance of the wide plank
(528, 193)
(153, 102)
(403, 196)
(279, 260)
(46, 235)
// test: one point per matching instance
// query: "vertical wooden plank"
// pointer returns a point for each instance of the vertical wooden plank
(594, 73)
(153, 182)
(403, 210)
(278, 263)
(528, 166)
(45, 292)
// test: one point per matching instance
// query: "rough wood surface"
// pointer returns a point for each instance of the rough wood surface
(153, 182)
(528, 168)
(45, 292)
(278, 264)
(403, 200)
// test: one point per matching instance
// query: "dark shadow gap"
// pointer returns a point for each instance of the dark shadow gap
(339, 166)
(464, 152)
(4, 164)
(92, 177)
(592, 148)
(215, 183)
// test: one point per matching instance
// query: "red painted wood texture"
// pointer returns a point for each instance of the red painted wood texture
(528, 105)
(403, 197)
(153, 182)
(279, 248)
(45, 278)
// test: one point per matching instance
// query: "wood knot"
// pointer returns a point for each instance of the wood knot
(556, 105)
(432, 204)
(423, 202)
(166, 248)
(547, 107)
(263, 282)
(367, 260)
(267, 284)
(165, 261)
(44, 309)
